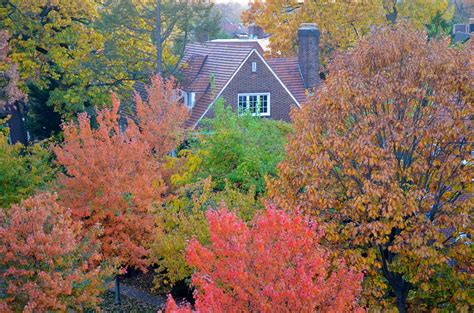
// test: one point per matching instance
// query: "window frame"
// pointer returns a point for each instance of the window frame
(254, 67)
(189, 99)
(247, 95)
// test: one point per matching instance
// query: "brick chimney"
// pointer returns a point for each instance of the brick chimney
(308, 54)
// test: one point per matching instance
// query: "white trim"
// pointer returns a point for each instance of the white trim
(279, 80)
(235, 73)
(256, 94)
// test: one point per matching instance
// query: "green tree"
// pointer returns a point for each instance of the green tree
(56, 47)
(22, 170)
(241, 149)
(131, 25)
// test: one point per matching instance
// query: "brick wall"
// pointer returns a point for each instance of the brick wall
(262, 81)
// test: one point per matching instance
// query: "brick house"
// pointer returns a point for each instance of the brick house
(238, 72)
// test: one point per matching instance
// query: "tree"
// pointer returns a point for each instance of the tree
(154, 30)
(241, 149)
(381, 157)
(276, 265)
(342, 23)
(54, 44)
(23, 170)
(9, 91)
(184, 218)
(113, 176)
(45, 263)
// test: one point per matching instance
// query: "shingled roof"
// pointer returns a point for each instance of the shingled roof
(209, 66)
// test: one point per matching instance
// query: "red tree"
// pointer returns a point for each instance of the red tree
(45, 263)
(113, 176)
(277, 265)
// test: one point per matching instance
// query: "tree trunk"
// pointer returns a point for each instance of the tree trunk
(402, 300)
(159, 51)
(117, 290)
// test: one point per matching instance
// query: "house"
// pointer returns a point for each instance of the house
(238, 72)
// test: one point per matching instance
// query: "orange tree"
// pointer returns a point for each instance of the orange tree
(380, 156)
(112, 176)
(275, 265)
(342, 23)
(45, 262)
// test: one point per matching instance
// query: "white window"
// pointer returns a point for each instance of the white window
(254, 67)
(189, 99)
(254, 103)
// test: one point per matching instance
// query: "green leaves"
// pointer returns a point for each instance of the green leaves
(22, 171)
(242, 149)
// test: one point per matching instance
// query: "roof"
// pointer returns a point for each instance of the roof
(222, 59)
(287, 70)
(208, 67)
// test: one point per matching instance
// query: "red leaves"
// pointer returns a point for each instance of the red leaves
(276, 265)
(49, 264)
(114, 176)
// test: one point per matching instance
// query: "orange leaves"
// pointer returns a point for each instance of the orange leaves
(50, 266)
(276, 265)
(379, 156)
(161, 118)
(114, 175)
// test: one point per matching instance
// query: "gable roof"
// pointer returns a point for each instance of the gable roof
(219, 61)
(207, 69)
(288, 70)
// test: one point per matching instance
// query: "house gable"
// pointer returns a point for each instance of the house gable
(263, 81)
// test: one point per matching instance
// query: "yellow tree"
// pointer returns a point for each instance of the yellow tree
(341, 23)
(381, 156)
(54, 45)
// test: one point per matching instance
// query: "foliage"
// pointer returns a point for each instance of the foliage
(342, 23)
(184, 218)
(45, 263)
(380, 156)
(22, 170)
(55, 45)
(241, 149)
(113, 176)
(277, 265)
(9, 91)
(130, 25)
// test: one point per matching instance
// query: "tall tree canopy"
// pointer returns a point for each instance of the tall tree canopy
(381, 156)
(342, 23)
(130, 26)
(113, 176)
(53, 42)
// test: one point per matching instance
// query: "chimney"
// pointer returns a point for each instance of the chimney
(308, 54)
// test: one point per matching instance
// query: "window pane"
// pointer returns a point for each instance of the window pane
(253, 104)
(242, 104)
(263, 104)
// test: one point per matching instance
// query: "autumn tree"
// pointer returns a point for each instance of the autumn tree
(381, 157)
(9, 77)
(184, 218)
(112, 176)
(275, 265)
(131, 25)
(342, 23)
(45, 263)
